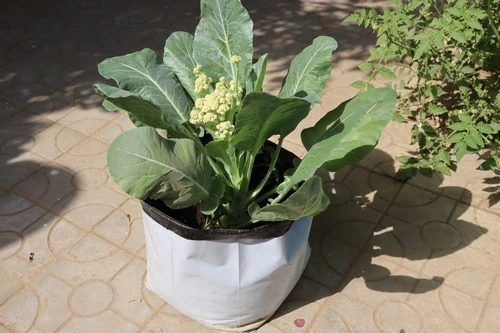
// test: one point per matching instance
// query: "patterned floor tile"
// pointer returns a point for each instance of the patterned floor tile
(387, 256)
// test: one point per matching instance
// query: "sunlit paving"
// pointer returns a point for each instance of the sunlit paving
(257, 166)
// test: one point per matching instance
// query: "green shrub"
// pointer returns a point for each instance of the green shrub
(448, 53)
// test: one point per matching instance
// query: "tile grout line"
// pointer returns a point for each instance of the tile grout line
(367, 241)
(487, 300)
(428, 190)
(431, 254)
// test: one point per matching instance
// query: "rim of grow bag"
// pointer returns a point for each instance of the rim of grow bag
(261, 230)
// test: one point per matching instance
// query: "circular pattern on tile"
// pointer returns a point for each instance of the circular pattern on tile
(90, 248)
(36, 185)
(7, 108)
(440, 235)
(372, 271)
(385, 187)
(340, 194)
(40, 104)
(88, 126)
(89, 147)
(20, 311)
(10, 243)
(152, 300)
(462, 308)
(11, 203)
(12, 174)
(89, 179)
(388, 317)
(89, 100)
(486, 213)
(17, 144)
(88, 215)
(412, 196)
(90, 298)
(387, 245)
(385, 140)
(352, 232)
(387, 168)
(471, 280)
(115, 227)
(16, 51)
(63, 234)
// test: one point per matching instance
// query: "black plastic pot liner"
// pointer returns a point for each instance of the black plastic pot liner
(260, 231)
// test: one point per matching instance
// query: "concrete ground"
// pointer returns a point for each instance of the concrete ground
(423, 256)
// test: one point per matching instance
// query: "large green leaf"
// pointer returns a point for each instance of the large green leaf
(256, 78)
(263, 115)
(141, 111)
(178, 57)
(147, 165)
(309, 70)
(308, 200)
(142, 74)
(345, 134)
(225, 29)
(210, 204)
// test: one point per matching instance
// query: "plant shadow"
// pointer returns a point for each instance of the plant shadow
(48, 64)
(378, 233)
(52, 48)
(32, 189)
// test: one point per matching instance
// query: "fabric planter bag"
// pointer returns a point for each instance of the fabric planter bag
(225, 279)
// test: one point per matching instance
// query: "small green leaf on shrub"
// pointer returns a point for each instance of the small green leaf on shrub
(459, 126)
(456, 137)
(428, 129)
(460, 150)
(398, 117)
(442, 168)
(470, 142)
(386, 73)
(360, 84)
(465, 118)
(442, 156)
(365, 66)
(484, 128)
(405, 173)
(476, 136)
(407, 159)
(436, 110)
(467, 70)
(414, 134)
(426, 171)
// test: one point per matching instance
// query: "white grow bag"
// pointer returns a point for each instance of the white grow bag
(230, 284)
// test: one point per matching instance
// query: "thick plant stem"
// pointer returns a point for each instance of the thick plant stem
(280, 197)
(247, 173)
(269, 170)
(265, 195)
(212, 163)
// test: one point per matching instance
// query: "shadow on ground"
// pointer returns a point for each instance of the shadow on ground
(372, 232)
(29, 190)
(49, 57)
(52, 48)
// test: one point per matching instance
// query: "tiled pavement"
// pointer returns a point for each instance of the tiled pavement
(387, 257)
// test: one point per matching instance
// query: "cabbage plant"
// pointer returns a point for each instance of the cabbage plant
(207, 95)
